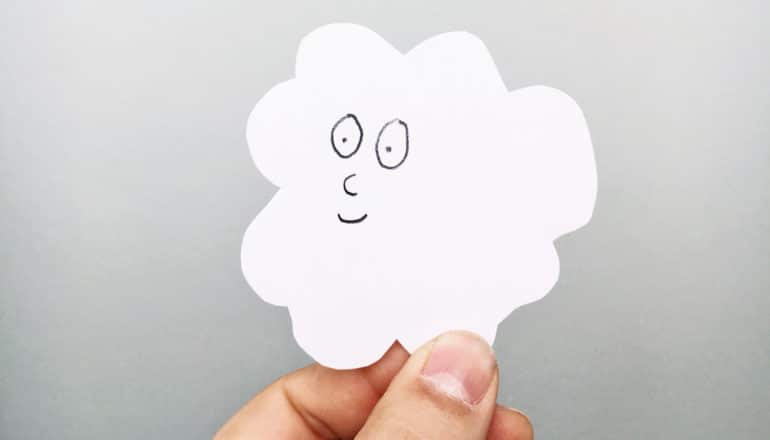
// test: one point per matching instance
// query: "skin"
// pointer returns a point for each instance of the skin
(445, 390)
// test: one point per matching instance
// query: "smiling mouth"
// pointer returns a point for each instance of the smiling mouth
(351, 221)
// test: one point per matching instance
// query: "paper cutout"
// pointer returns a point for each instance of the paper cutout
(416, 194)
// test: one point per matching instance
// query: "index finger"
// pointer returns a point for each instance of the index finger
(316, 402)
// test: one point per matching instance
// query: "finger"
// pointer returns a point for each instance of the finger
(315, 402)
(509, 424)
(446, 390)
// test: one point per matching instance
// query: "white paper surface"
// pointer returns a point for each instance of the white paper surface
(416, 193)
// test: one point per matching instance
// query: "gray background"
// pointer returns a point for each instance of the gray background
(126, 185)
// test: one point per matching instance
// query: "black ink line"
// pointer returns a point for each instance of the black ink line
(360, 135)
(406, 146)
(345, 186)
(355, 220)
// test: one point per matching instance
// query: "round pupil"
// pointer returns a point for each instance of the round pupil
(388, 149)
(344, 139)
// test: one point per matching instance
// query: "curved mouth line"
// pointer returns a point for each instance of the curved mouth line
(351, 221)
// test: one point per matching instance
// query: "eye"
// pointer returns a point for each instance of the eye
(346, 136)
(392, 144)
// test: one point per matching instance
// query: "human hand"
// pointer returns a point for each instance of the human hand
(445, 390)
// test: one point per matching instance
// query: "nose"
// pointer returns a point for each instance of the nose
(346, 186)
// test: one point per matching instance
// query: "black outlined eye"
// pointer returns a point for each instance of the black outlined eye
(346, 136)
(392, 144)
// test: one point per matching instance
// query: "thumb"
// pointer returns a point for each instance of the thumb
(446, 390)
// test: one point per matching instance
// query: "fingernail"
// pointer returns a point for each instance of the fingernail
(461, 366)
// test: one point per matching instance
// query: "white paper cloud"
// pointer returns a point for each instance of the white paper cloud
(416, 193)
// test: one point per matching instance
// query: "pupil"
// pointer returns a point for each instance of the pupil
(344, 139)
(388, 148)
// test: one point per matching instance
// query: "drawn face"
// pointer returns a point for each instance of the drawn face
(390, 148)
